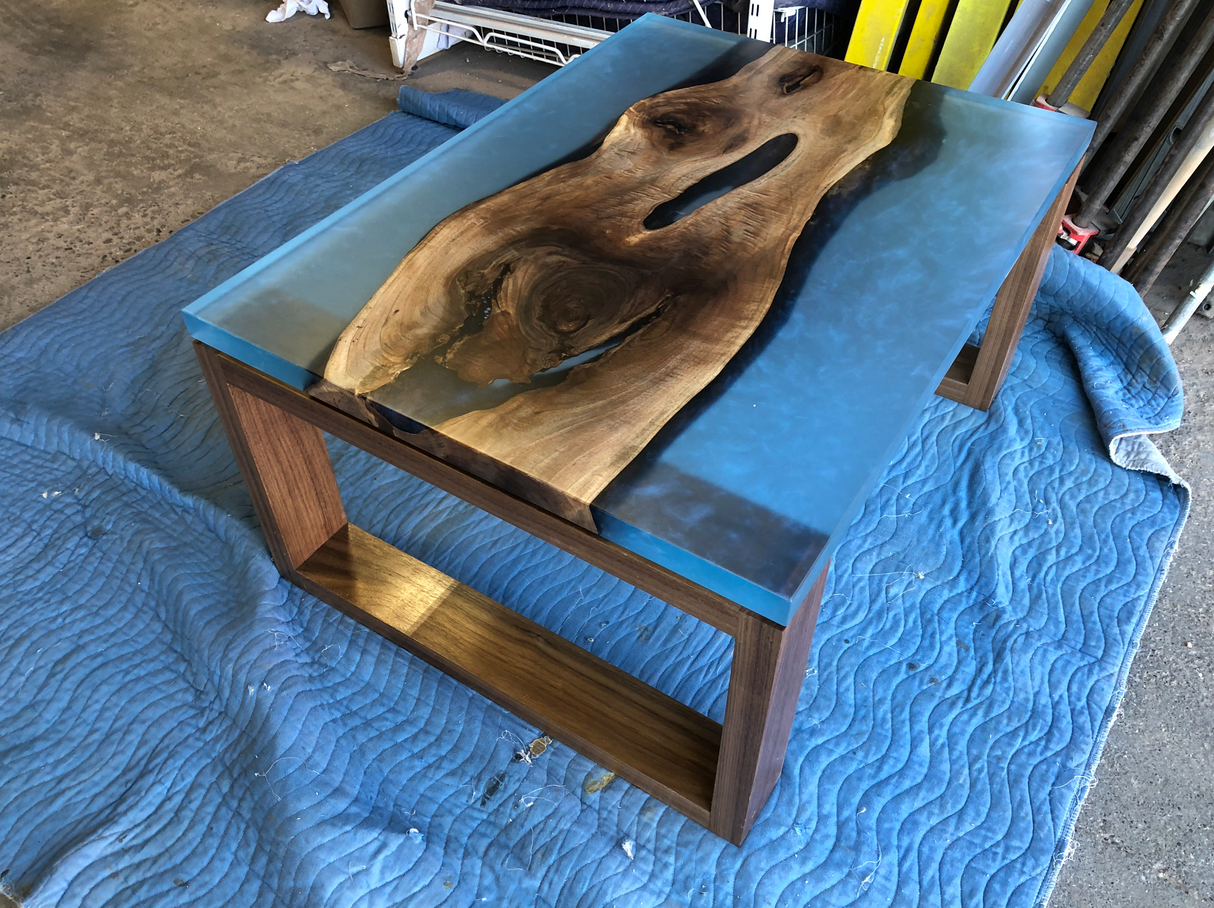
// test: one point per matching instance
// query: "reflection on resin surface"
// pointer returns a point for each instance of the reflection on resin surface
(749, 486)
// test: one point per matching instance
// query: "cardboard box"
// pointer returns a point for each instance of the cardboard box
(365, 13)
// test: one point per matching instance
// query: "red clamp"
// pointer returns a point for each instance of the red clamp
(1044, 104)
(1072, 237)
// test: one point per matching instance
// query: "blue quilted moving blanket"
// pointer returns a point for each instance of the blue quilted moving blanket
(180, 726)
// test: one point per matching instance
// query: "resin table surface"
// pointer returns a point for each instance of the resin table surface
(749, 486)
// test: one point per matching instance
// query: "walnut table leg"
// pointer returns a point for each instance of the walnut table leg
(285, 465)
(975, 378)
(764, 684)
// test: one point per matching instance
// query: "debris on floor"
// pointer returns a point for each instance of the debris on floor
(290, 7)
(597, 783)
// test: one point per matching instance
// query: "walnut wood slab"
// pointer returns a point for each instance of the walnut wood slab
(610, 252)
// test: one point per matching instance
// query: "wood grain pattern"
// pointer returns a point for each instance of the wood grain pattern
(609, 256)
(661, 746)
(978, 373)
(690, 597)
(764, 685)
(285, 465)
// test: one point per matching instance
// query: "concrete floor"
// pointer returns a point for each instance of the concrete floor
(123, 120)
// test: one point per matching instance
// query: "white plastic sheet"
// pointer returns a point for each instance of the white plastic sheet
(290, 7)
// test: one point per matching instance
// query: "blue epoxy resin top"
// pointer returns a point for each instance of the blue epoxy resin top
(749, 488)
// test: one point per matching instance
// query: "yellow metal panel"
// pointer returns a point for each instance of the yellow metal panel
(969, 41)
(923, 38)
(872, 39)
(1089, 86)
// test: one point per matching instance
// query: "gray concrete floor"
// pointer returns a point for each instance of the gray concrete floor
(123, 120)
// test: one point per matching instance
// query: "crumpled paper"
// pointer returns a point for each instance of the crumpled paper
(290, 7)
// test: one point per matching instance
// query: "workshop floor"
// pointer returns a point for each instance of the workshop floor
(122, 121)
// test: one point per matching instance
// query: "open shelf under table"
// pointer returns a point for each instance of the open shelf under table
(663, 747)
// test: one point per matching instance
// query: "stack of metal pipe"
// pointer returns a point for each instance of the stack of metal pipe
(1165, 98)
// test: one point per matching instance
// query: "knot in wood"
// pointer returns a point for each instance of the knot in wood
(673, 124)
(801, 77)
(569, 299)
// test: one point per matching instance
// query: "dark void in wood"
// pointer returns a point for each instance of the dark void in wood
(654, 259)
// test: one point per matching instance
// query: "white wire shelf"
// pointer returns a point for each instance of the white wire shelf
(560, 38)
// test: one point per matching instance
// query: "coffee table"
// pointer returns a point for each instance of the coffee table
(730, 510)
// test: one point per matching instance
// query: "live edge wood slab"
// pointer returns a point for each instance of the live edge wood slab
(602, 253)
(719, 775)
(647, 263)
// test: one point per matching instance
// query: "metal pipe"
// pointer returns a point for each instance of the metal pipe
(1127, 145)
(1145, 24)
(1041, 63)
(1142, 215)
(1161, 41)
(1182, 313)
(1091, 47)
(1189, 206)
(1024, 37)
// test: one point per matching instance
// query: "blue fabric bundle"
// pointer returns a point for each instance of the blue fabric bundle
(181, 726)
(456, 107)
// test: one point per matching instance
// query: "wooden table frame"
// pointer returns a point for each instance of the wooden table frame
(718, 775)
